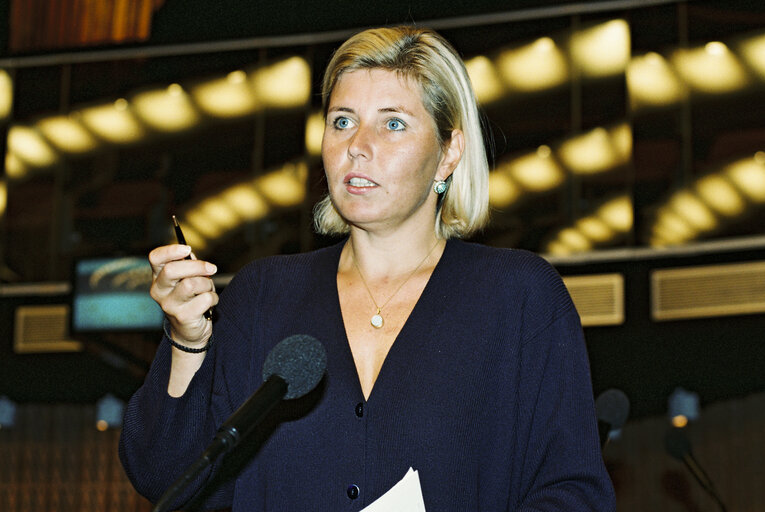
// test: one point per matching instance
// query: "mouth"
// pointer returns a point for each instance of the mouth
(360, 182)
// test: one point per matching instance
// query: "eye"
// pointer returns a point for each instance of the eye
(395, 124)
(341, 123)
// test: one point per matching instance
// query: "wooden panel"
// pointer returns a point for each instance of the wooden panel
(50, 24)
(728, 440)
(55, 459)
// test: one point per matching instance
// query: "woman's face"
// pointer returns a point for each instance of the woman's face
(381, 153)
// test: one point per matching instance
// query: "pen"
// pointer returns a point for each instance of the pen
(179, 234)
(182, 240)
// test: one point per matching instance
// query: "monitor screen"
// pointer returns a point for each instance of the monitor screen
(112, 294)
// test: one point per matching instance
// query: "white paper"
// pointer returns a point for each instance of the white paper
(405, 496)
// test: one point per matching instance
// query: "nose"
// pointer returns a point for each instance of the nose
(360, 144)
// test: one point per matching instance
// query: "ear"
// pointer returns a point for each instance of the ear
(452, 154)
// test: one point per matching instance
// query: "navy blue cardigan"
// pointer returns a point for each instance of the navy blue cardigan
(486, 392)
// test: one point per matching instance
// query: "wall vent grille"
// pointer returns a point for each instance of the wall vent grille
(599, 298)
(708, 291)
(43, 328)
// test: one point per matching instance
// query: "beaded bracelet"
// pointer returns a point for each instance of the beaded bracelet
(166, 329)
(189, 349)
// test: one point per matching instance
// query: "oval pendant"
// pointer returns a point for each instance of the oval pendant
(377, 321)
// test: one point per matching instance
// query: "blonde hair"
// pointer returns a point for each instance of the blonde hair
(429, 60)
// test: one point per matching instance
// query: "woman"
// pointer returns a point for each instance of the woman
(463, 362)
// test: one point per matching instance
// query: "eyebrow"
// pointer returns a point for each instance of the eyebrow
(383, 110)
(398, 108)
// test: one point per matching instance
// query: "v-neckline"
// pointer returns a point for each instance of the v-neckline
(424, 297)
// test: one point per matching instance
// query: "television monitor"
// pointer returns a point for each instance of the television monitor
(112, 294)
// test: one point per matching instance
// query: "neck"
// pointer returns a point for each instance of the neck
(390, 256)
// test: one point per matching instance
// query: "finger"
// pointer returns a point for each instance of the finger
(181, 280)
(160, 256)
(190, 287)
(175, 271)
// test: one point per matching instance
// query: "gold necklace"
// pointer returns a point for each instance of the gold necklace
(377, 319)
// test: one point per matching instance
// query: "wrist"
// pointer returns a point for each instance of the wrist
(182, 344)
(191, 350)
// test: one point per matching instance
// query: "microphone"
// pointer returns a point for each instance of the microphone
(612, 407)
(292, 369)
(679, 447)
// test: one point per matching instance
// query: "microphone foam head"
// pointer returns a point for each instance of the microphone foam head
(300, 360)
(613, 407)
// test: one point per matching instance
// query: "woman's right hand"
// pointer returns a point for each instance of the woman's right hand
(184, 290)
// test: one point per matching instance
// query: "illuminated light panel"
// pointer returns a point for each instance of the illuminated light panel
(284, 84)
(590, 153)
(314, 133)
(720, 195)
(219, 213)
(113, 122)
(693, 210)
(225, 97)
(749, 176)
(284, 187)
(557, 248)
(752, 50)
(167, 110)
(621, 139)
(711, 69)
(537, 66)
(198, 221)
(679, 421)
(603, 50)
(6, 94)
(503, 191)
(67, 134)
(594, 229)
(3, 196)
(30, 147)
(663, 237)
(673, 228)
(486, 82)
(535, 173)
(237, 77)
(209, 220)
(15, 168)
(651, 81)
(574, 239)
(245, 201)
(617, 213)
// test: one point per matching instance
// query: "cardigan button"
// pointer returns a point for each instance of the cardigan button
(359, 409)
(353, 491)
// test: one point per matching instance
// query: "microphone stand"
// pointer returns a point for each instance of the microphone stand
(703, 479)
(238, 426)
(679, 447)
